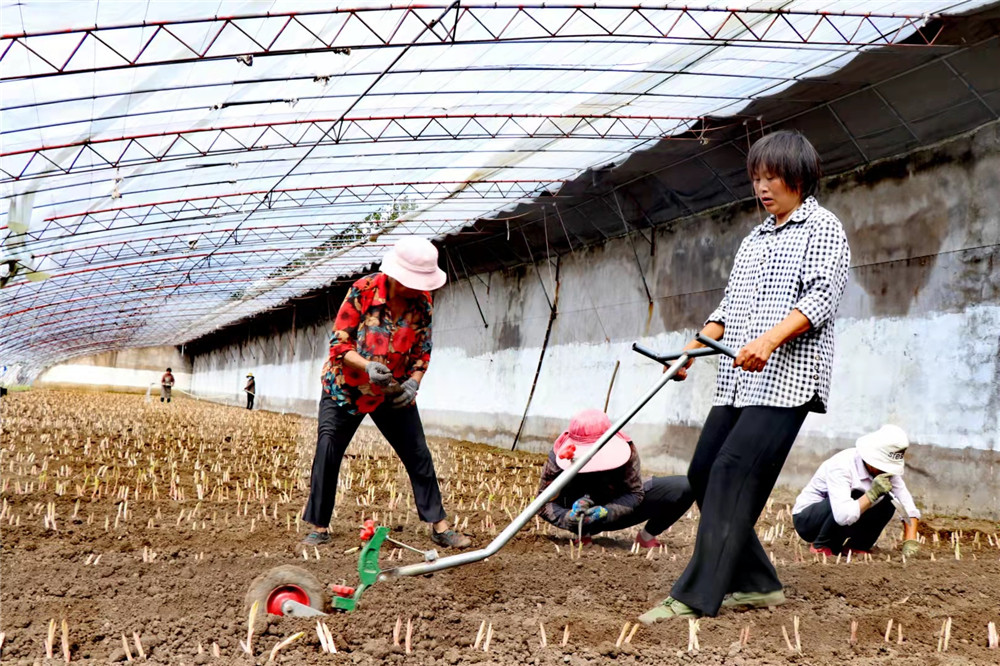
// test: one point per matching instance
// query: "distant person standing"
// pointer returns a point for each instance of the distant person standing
(166, 385)
(250, 389)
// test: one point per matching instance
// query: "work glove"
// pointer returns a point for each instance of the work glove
(407, 394)
(378, 374)
(594, 514)
(881, 484)
(579, 510)
(910, 547)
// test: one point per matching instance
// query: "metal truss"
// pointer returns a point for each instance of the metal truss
(202, 299)
(94, 155)
(302, 235)
(149, 273)
(343, 30)
(199, 292)
(238, 203)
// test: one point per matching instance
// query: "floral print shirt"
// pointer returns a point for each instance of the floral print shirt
(365, 325)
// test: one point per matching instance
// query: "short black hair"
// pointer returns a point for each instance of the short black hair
(788, 155)
(168, 369)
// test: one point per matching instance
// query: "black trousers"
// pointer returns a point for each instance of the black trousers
(735, 465)
(405, 434)
(816, 525)
(249, 400)
(666, 499)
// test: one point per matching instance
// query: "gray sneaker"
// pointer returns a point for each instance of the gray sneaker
(316, 539)
(450, 539)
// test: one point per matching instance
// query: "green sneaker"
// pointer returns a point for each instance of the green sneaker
(666, 609)
(754, 599)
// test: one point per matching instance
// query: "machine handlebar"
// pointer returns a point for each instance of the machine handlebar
(711, 348)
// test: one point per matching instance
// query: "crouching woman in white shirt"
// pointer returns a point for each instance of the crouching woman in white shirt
(844, 507)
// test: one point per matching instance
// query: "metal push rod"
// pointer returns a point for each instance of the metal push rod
(561, 481)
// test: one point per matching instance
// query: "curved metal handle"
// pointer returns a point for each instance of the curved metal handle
(716, 345)
(673, 356)
(711, 348)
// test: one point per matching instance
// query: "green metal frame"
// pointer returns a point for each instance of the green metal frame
(368, 570)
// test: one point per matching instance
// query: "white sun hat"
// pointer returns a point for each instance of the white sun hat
(413, 261)
(884, 449)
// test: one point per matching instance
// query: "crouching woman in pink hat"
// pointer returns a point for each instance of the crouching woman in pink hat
(608, 494)
(844, 507)
(379, 352)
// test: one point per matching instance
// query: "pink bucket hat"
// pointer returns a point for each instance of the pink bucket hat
(584, 430)
(413, 262)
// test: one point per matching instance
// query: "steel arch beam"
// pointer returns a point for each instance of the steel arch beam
(203, 229)
(506, 190)
(136, 150)
(145, 278)
(211, 287)
(277, 259)
(343, 30)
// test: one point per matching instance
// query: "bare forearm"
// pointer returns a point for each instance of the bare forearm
(418, 376)
(353, 359)
(789, 328)
(713, 329)
(864, 503)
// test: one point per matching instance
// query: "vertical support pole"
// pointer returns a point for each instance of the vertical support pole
(607, 399)
(471, 286)
(541, 357)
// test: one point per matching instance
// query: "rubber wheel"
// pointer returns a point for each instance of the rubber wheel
(284, 582)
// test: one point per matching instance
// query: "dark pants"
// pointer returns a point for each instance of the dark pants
(665, 500)
(735, 465)
(249, 400)
(816, 525)
(405, 434)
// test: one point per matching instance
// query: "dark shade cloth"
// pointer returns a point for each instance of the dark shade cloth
(404, 432)
(735, 465)
(817, 525)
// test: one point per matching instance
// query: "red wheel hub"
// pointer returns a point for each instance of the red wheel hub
(280, 595)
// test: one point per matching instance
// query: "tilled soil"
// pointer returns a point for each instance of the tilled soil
(174, 569)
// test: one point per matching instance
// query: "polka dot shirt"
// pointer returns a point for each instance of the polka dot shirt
(801, 265)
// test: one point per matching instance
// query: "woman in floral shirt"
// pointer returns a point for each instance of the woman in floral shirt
(379, 351)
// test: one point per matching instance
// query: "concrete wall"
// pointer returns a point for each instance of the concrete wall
(131, 370)
(918, 332)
